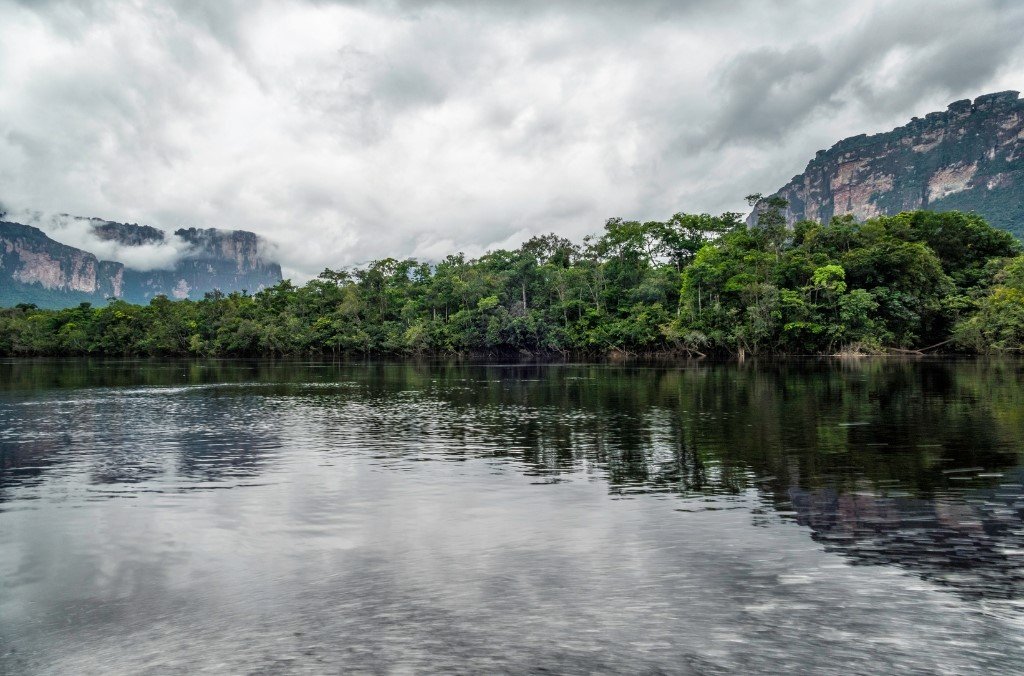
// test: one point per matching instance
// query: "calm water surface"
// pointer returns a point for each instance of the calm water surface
(300, 517)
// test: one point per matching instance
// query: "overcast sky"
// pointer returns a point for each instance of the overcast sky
(346, 131)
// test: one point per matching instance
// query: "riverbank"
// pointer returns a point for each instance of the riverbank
(916, 282)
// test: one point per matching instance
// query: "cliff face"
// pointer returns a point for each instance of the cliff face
(129, 234)
(37, 269)
(224, 260)
(969, 157)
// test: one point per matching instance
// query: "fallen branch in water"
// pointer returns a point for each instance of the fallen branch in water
(902, 351)
(932, 347)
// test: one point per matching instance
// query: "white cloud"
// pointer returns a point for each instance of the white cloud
(79, 232)
(344, 132)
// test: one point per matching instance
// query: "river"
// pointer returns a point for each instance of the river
(408, 517)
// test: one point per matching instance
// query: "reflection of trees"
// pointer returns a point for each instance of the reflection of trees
(232, 436)
(126, 435)
(24, 463)
(970, 542)
(697, 428)
(828, 441)
(825, 439)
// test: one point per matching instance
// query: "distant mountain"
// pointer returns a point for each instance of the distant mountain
(129, 234)
(969, 157)
(37, 269)
(226, 260)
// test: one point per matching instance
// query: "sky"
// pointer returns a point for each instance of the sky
(347, 131)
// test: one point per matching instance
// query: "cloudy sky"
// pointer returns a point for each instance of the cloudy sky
(346, 131)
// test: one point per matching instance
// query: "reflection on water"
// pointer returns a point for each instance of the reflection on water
(970, 541)
(751, 488)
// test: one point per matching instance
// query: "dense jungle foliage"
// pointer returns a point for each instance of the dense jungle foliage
(694, 284)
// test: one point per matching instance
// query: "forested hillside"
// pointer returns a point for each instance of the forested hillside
(694, 284)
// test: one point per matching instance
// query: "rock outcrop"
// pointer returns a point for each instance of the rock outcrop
(223, 260)
(129, 234)
(37, 269)
(969, 157)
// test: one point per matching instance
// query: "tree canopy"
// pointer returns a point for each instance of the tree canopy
(693, 284)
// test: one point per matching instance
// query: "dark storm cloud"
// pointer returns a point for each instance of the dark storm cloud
(349, 130)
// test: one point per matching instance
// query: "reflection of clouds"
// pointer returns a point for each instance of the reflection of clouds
(704, 434)
(160, 437)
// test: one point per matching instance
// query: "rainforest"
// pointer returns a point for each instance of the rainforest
(693, 285)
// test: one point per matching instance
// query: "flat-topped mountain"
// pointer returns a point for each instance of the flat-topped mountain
(34, 268)
(969, 157)
(225, 260)
(129, 234)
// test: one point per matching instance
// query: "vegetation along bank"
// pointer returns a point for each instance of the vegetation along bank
(695, 284)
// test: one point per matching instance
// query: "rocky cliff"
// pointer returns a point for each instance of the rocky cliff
(969, 157)
(37, 269)
(224, 260)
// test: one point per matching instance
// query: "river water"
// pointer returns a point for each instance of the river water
(304, 517)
